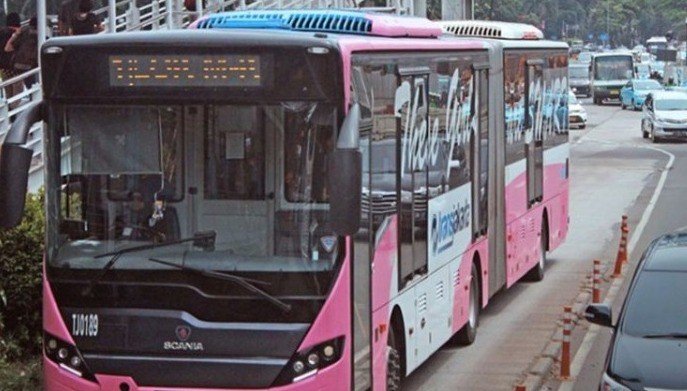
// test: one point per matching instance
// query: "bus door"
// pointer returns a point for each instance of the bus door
(230, 176)
(534, 117)
(480, 152)
(412, 178)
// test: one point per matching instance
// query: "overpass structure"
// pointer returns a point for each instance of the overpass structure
(133, 15)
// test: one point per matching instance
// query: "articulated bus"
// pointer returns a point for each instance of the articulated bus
(287, 200)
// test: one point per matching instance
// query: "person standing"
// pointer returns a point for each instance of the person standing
(68, 9)
(13, 24)
(85, 22)
(24, 45)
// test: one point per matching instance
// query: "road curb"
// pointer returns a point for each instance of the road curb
(543, 366)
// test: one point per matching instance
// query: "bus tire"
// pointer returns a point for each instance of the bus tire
(467, 334)
(393, 363)
(537, 272)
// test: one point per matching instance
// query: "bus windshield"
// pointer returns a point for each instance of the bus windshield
(253, 174)
(613, 68)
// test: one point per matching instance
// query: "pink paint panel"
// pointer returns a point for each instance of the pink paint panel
(384, 267)
(461, 293)
(381, 316)
(334, 319)
(52, 320)
(523, 227)
(55, 379)
(383, 274)
(394, 26)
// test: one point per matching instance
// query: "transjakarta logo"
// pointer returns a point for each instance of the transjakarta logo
(446, 225)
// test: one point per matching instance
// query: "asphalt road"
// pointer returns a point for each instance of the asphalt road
(669, 213)
(613, 172)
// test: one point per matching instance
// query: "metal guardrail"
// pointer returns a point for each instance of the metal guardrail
(128, 15)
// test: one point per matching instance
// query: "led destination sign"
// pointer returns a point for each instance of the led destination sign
(228, 70)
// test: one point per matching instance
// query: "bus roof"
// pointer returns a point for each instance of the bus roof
(612, 54)
(491, 29)
(657, 40)
(324, 21)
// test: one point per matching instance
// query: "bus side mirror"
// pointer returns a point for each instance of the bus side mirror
(345, 176)
(15, 161)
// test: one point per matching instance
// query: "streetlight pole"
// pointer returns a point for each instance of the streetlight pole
(608, 29)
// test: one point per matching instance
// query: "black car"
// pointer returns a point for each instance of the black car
(649, 345)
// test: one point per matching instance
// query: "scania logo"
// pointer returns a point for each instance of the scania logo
(183, 332)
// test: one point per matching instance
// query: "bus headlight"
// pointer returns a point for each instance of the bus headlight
(66, 356)
(308, 362)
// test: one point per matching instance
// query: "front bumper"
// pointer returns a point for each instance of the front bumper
(577, 120)
(676, 132)
(607, 93)
(581, 90)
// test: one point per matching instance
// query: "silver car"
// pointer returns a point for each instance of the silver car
(665, 115)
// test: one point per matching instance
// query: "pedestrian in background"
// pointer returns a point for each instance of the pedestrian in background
(24, 45)
(85, 22)
(68, 9)
(12, 25)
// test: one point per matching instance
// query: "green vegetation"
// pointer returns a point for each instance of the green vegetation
(629, 21)
(21, 252)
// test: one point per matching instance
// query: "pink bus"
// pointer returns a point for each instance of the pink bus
(287, 200)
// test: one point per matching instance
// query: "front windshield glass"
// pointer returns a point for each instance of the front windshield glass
(253, 174)
(657, 305)
(613, 68)
(578, 72)
(671, 104)
(572, 99)
(647, 85)
(585, 57)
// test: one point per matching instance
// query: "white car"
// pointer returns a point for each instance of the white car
(577, 115)
(665, 116)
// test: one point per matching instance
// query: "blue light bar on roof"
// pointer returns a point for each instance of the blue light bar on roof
(327, 21)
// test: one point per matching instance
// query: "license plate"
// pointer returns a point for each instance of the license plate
(614, 92)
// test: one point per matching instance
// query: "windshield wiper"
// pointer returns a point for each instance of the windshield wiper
(667, 336)
(206, 240)
(247, 283)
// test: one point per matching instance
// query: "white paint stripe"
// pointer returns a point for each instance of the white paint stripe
(652, 202)
(590, 337)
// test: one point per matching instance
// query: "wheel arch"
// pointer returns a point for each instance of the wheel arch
(398, 326)
(477, 261)
(545, 223)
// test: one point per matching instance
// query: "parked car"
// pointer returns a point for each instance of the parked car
(665, 115)
(647, 350)
(577, 115)
(635, 91)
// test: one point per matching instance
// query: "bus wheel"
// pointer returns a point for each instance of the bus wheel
(537, 272)
(393, 363)
(468, 333)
